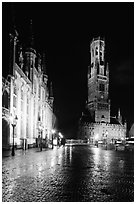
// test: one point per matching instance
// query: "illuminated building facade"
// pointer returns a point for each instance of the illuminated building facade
(96, 124)
(26, 95)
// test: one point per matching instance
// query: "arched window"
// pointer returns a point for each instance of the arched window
(96, 51)
(5, 100)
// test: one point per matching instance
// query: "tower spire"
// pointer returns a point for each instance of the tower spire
(30, 53)
(119, 113)
(51, 90)
(30, 35)
(44, 64)
(107, 69)
(119, 116)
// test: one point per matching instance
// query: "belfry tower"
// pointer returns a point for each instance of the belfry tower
(98, 83)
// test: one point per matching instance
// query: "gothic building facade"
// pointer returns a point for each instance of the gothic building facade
(96, 122)
(26, 97)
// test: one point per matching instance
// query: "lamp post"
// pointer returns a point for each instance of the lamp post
(62, 139)
(14, 123)
(40, 129)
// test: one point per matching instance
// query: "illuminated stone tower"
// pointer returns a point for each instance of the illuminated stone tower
(98, 83)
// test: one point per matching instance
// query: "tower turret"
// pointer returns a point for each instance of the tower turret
(119, 116)
(97, 47)
(51, 91)
(30, 54)
(44, 63)
(107, 70)
(98, 83)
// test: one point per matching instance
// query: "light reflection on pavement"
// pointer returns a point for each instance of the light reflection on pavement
(70, 173)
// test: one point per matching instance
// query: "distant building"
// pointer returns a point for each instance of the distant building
(25, 94)
(96, 123)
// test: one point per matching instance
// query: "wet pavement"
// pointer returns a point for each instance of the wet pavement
(70, 173)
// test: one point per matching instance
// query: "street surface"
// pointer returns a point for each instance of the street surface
(70, 173)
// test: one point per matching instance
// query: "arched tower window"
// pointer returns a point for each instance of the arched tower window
(96, 51)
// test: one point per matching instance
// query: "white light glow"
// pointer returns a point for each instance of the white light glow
(53, 131)
(55, 141)
(60, 135)
(96, 136)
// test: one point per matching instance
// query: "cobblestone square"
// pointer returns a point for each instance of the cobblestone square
(70, 173)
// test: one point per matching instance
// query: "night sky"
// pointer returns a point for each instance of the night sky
(64, 32)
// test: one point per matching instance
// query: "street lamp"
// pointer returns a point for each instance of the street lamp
(40, 130)
(62, 139)
(13, 123)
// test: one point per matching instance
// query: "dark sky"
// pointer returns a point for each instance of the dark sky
(64, 32)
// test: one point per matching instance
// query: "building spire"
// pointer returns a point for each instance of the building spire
(119, 113)
(107, 69)
(119, 116)
(30, 35)
(51, 90)
(44, 64)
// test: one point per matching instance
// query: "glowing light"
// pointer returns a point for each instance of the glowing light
(52, 162)
(60, 135)
(70, 154)
(55, 141)
(96, 136)
(53, 131)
